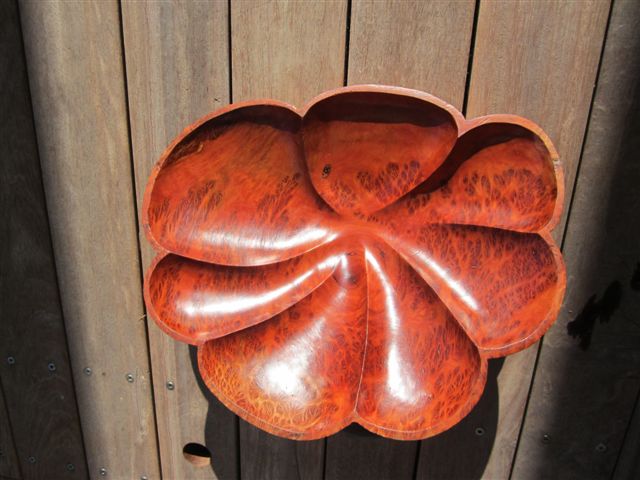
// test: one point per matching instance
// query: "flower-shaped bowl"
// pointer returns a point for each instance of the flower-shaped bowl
(356, 260)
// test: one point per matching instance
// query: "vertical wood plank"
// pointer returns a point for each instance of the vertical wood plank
(8, 459)
(585, 388)
(538, 62)
(415, 44)
(288, 51)
(74, 58)
(177, 71)
(34, 365)
(423, 45)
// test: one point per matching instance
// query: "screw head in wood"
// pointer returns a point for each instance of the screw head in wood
(144, 477)
(546, 438)
(71, 467)
(170, 385)
(601, 448)
(87, 371)
(103, 472)
(51, 366)
(31, 459)
(479, 431)
(11, 360)
(129, 377)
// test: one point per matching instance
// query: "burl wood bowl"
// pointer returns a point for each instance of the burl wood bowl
(356, 260)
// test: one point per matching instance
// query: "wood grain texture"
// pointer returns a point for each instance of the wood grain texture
(177, 71)
(37, 383)
(585, 388)
(288, 51)
(415, 44)
(423, 45)
(9, 467)
(539, 63)
(74, 58)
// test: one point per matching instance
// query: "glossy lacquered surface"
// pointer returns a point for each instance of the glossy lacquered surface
(358, 260)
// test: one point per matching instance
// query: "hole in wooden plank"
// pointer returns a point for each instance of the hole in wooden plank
(197, 454)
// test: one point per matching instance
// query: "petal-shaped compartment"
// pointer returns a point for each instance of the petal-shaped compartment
(498, 175)
(422, 374)
(195, 301)
(297, 374)
(235, 191)
(505, 288)
(366, 149)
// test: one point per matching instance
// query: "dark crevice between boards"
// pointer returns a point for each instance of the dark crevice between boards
(347, 39)
(472, 43)
(229, 52)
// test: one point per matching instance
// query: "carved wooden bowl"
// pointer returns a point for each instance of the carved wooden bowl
(357, 260)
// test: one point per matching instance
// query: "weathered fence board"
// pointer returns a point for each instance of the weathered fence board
(177, 71)
(540, 63)
(400, 43)
(585, 388)
(34, 365)
(74, 59)
(289, 51)
(422, 45)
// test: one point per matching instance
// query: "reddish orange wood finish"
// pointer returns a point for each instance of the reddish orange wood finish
(358, 260)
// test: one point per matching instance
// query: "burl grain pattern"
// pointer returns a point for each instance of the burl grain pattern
(364, 150)
(358, 260)
(237, 193)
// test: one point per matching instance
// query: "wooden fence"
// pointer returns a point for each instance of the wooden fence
(92, 92)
